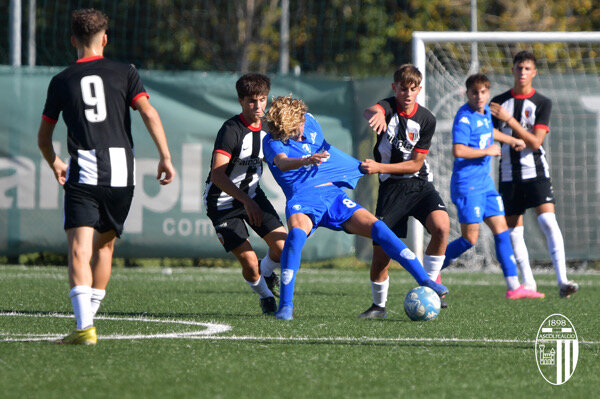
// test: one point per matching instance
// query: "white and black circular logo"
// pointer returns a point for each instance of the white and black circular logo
(556, 349)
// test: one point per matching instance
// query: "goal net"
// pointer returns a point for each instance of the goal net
(569, 74)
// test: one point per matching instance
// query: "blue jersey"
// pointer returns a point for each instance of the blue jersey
(474, 130)
(340, 168)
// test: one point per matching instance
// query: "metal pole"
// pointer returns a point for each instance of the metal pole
(284, 34)
(14, 32)
(474, 52)
(31, 53)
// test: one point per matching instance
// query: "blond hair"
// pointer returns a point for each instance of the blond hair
(285, 117)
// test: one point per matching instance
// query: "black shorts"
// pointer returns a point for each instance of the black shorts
(520, 196)
(229, 223)
(104, 208)
(399, 199)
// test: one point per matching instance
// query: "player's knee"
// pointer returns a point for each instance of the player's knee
(440, 231)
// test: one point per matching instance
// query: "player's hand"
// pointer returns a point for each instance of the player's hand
(165, 166)
(316, 158)
(60, 171)
(518, 145)
(493, 150)
(369, 167)
(255, 214)
(500, 112)
(377, 122)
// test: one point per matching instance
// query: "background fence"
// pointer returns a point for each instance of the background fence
(342, 54)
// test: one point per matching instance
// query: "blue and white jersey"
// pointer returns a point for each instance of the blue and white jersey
(340, 168)
(474, 130)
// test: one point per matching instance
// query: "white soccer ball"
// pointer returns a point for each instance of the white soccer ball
(422, 303)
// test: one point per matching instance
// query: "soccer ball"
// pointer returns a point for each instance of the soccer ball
(422, 303)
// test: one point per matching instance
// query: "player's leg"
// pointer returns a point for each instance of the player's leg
(515, 205)
(272, 231)
(245, 254)
(276, 241)
(299, 226)
(113, 208)
(365, 224)
(547, 222)
(506, 258)
(103, 249)
(380, 283)
(438, 225)
(469, 234)
(80, 279)
(81, 215)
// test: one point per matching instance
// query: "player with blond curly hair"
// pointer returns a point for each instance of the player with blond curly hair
(311, 173)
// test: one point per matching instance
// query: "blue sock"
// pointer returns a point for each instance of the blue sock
(290, 263)
(455, 249)
(505, 254)
(398, 251)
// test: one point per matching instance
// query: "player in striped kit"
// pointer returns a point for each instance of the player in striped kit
(94, 96)
(525, 176)
(233, 196)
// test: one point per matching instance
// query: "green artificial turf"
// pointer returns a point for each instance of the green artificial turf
(153, 342)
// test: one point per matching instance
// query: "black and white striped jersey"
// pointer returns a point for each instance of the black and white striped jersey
(242, 143)
(405, 134)
(94, 96)
(532, 110)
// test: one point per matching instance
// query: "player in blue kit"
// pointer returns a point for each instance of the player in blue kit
(311, 174)
(472, 188)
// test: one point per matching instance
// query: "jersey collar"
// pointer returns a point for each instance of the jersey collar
(254, 129)
(522, 96)
(404, 114)
(91, 58)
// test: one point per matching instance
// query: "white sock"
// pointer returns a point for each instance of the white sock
(97, 297)
(81, 296)
(433, 264)
(512, 282)
(522, 256)
(267, 265)
(260, 287)
(380, 292)
(556, 245)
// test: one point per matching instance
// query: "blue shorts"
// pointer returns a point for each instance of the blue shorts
(327, 206)
(474, 208)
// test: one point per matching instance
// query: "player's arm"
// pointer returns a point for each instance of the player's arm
(532, 140)
(375, 115)
(516, 143)
(284, 163)
(45, 144)
(370, 166)
(155, 128)
(218, 176)
(464, 151)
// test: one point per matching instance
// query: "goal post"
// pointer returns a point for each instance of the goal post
(569, 74)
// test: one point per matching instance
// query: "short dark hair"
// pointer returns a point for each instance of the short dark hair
(478, 79)
(524, 56)
(408, 74)
(86, 23)
(253, 84)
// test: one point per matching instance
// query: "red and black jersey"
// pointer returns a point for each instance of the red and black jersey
(405, 133)
(532, 110)
(94, 96)
(242, 143)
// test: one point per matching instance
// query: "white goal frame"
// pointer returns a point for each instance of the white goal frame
(419, 58)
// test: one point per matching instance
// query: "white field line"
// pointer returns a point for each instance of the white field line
(214, 328)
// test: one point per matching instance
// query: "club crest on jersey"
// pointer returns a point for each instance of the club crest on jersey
(527, 113)
(313, 137)
(412, 136)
